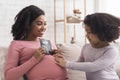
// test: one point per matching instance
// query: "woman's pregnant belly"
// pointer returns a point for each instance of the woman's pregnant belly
(47, 70)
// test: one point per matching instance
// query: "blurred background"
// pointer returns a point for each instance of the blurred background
(57, 11)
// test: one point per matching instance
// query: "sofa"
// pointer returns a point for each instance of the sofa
(70, 52)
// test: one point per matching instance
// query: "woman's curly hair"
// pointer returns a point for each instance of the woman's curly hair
(23, 20)
(105, 26)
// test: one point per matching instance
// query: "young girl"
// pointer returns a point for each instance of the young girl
(97, 58)
(25, 55)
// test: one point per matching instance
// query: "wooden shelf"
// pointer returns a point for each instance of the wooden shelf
(64, 19)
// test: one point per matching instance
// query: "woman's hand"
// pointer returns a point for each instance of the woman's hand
(59, 58)
(39, 54)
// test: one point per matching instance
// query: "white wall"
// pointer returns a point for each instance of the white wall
(9, 9)
(109, 6)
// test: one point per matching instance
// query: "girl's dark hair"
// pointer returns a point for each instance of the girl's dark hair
(105, 26)
(23, 20)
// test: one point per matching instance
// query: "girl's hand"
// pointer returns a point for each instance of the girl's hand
(39, 54)
(55, 51)
(60, 60)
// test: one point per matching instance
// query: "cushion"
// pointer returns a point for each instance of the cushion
(72, 52)
(3, 53)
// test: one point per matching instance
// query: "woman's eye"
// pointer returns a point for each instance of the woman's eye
(45, 23)
(40, 23)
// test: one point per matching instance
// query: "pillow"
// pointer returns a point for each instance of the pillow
(3, 53)
(72, 52)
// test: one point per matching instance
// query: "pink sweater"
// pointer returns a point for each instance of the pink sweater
(20, 61)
